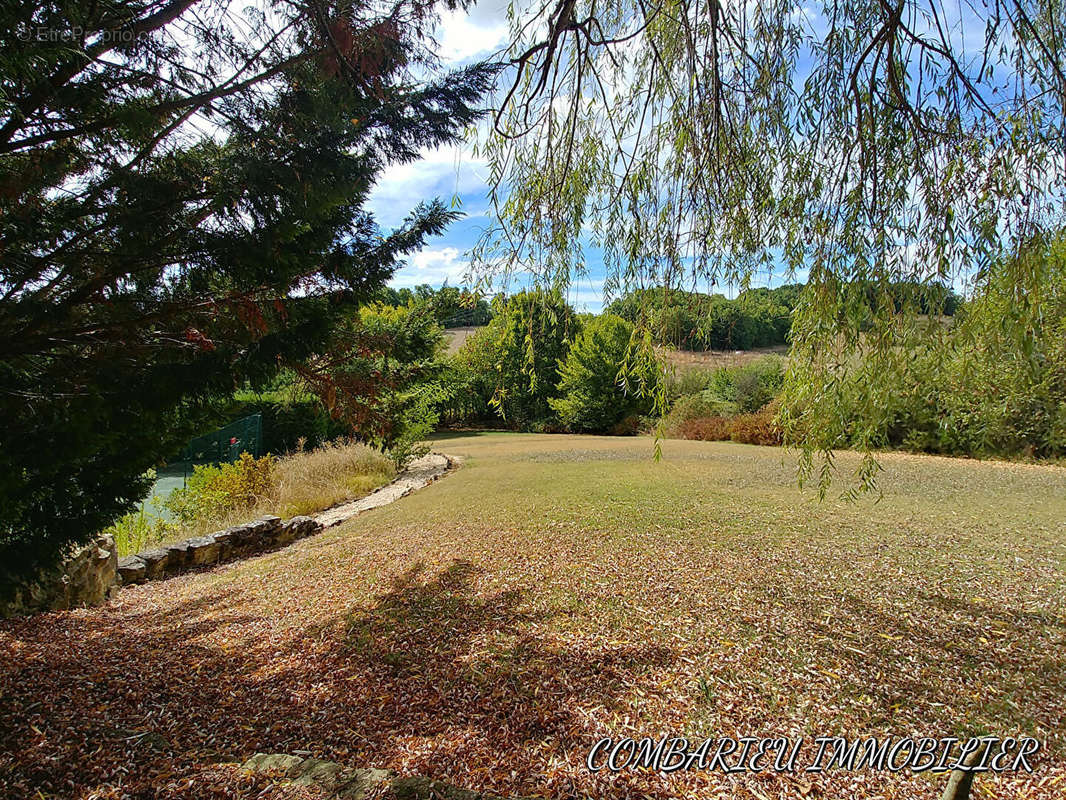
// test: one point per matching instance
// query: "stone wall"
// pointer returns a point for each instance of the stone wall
(89, 576)
(251, 538)
(84, 579)
(93, 572)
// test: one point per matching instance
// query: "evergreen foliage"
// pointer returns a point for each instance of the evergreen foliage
(181, 213)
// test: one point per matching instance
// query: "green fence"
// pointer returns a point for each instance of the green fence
(227, 443)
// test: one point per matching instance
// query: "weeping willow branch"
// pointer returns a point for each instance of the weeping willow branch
(702, 143)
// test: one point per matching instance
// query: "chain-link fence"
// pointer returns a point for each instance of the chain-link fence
(227, 443)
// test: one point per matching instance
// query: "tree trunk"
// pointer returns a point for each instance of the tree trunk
(960, 781)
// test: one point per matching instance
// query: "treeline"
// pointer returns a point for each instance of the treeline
(759, 317)
(696, 321)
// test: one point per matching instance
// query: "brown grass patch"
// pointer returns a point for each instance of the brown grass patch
(714, 359)
(488, 629)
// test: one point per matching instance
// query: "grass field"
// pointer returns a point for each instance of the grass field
(455, 338)
(555, 589)
(716, 359)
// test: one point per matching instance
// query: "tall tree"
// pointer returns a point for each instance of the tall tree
(864, 142)
(181, 192)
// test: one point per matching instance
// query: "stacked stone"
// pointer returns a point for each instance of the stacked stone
(265, 533)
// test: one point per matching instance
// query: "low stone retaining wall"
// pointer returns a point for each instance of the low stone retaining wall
(84, 579)
(93, 572)
(251, 538)
(269, 533)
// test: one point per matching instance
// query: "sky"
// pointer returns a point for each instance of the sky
(464, 37)
(467, 37)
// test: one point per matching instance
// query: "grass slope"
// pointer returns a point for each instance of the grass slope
(488, 629)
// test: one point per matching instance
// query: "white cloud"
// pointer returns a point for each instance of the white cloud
(433, 266)
(475, 33)
(438, 173)
(465, 36)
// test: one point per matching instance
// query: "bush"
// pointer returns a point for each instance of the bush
(217, 491)
(683, 382)
(604, 378)
(736, 403)
(750, 386)
(694, 407)
(756, 428)
(705, 429)
(139, 531)
(759, 427)
(304, 482)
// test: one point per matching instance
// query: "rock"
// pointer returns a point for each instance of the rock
(336, 780)
(270, 762)
(224, 540)
(284, 535)
(296, 528)
(131, 569)
(242, 537)
(177, 556)
(264, 529)
(203, 550)
(308, 526)
(155, 563)
(88, 575)
(83, 579)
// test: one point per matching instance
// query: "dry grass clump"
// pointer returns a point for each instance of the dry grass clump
(336, 472)
(216, 497)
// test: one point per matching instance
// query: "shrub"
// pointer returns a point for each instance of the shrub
(683, 382)
(759, 427)
(706, 429)
(216, 491)
(303, 482)
(605, 378)
(689, 408)
(750, 386)
(756, 428)
(139, 531)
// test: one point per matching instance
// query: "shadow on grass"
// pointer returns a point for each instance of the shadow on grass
(139, 699)
(942, 665)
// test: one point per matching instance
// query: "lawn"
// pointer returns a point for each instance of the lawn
(488, 629)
